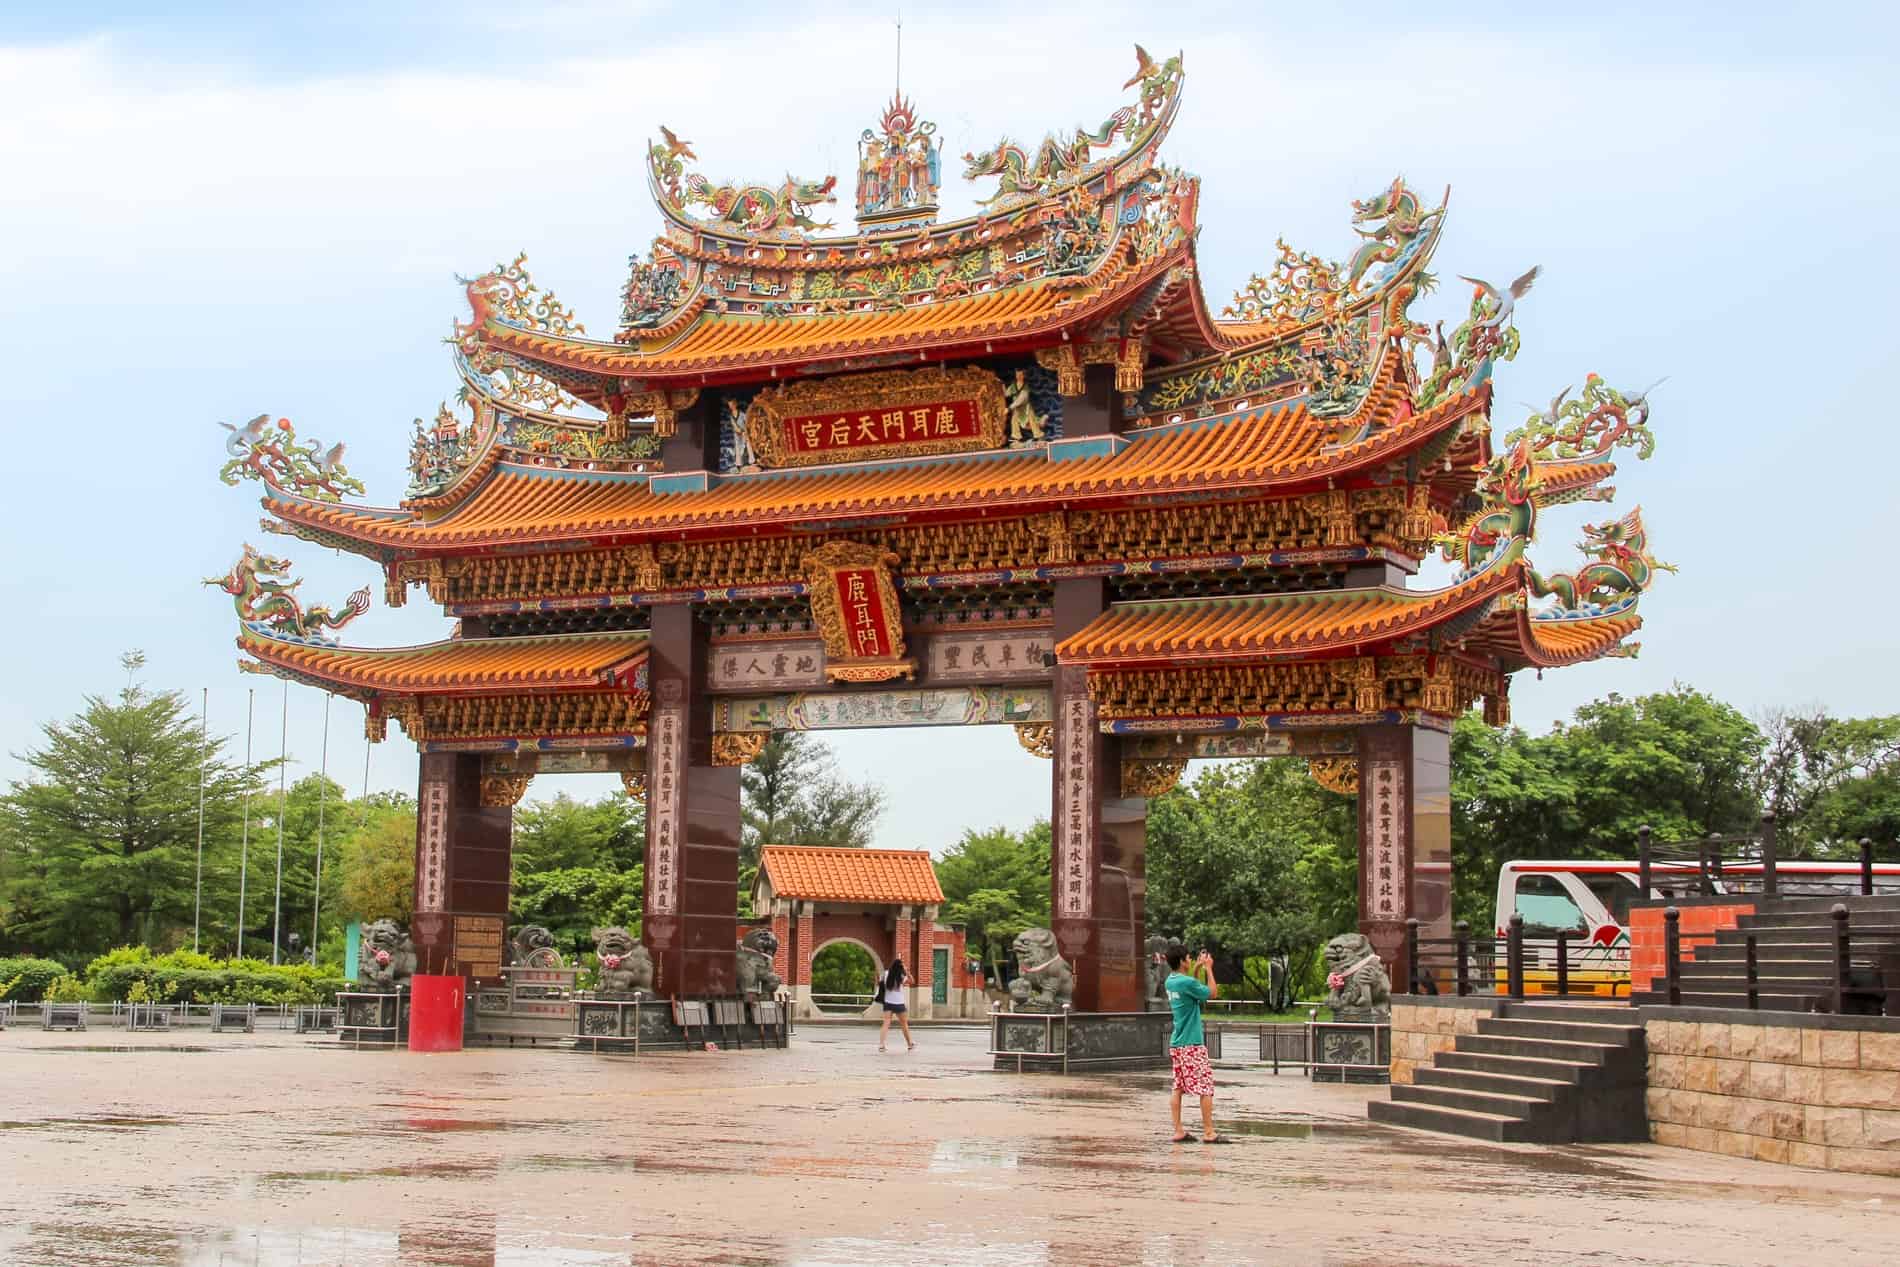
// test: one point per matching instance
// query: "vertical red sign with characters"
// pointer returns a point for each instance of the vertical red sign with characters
(867, 631)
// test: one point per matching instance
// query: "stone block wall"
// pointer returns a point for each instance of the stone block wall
(1808, 1090)
(1423, 1026)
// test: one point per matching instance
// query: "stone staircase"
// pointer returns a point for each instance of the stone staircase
(1794, 957)
(1550, 1073)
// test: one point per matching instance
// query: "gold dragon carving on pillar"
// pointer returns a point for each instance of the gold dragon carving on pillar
(1335, 774)
(504, 790)
(1038, 738)
(738, 747)
(1151, 778)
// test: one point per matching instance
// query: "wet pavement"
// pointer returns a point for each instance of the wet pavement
(274, 1149)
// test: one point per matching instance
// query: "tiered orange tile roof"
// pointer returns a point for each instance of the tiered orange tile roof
(728, 342)
(1267, 448)
(896, 876)
(1271, 625)
(473, 666)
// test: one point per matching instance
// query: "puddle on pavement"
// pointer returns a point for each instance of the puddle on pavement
(103, 1123)
(1270, 1128)
(955, 1156)
(419, 1170)
(154, 1050)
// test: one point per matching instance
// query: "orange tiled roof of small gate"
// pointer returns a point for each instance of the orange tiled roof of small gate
(824, 874)
(474, 666)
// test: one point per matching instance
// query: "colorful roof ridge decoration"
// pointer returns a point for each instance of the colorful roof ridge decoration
(583, 662)
(823, 874)
(1263, 449)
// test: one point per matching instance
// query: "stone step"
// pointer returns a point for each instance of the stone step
(1496, 1127)
(1514, 1066)
(1476, 1101)
(1737, 1000)
(1580, 1053)
(1563, 1030)
(1766, 952)
(1856, 905)
(1495, 1083)
(1595, 1013)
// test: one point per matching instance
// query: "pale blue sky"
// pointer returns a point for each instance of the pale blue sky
(215, 212)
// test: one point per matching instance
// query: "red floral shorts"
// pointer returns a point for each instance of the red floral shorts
(1193, 1071)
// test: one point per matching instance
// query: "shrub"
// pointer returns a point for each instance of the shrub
(27, 980)
(68, 989)
(184, 977)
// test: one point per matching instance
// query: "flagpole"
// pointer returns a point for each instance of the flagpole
(323, 789)
(283, 765)
(244, 848)
(204, 750)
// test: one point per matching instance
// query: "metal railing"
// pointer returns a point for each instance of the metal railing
(1859, 968)
(1718, 860)
(1564, 963)
(842, 1002)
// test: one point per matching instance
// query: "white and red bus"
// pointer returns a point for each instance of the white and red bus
(1591, 901)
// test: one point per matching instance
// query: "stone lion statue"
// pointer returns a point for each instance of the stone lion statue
(533, 947)
(387, 959)
(755, 975)
(1355, 979)
(1156, 969)
(625, 966)
(1043, 981)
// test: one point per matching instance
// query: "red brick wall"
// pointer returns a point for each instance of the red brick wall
(952, 939)
(801, 961)
(924, 940)
(1694, 929)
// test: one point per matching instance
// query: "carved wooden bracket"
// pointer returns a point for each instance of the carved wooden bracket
(1038, 738)
(1335, 774)
(500, 791)
(738, 747)
(635, 782)
(1151, 777)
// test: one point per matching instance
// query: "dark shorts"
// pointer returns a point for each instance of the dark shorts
(895, 1008)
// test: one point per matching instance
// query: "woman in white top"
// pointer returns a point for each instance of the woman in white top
(891, 994)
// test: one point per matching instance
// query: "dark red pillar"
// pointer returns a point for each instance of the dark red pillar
(462, 865)
(692, 868)
(1099, 837)
(1404, 837)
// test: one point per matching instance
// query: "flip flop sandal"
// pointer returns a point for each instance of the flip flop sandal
(1180, 1139)
(1218, 1139)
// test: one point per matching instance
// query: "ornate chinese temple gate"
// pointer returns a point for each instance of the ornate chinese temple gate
(1002, 470)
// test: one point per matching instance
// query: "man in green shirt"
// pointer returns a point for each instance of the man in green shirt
(1190, 983)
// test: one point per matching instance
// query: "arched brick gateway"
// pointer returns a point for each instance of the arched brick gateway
(885, 900)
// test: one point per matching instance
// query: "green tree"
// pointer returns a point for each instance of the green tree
(996, 883)
(1225, 858)
(610, 833)
(1832, 781)
(792, 794)
(1678, 760)
(377, 858)
(843, 968)
(570, 902)
(1509, 800)
(101, 840)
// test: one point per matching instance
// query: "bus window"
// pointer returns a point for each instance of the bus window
(1615, 892)
(1546, 907)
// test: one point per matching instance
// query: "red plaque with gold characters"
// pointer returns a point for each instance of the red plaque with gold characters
(854, 602)
(899, 413)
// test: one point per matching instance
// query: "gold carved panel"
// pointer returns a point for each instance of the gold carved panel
(893, 413)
